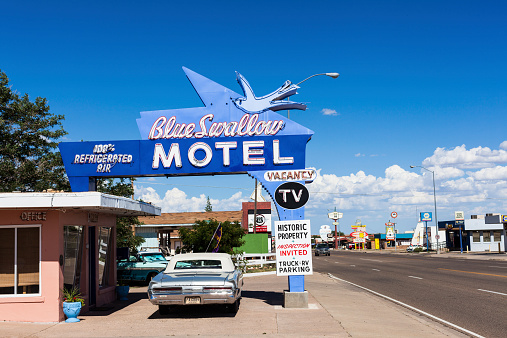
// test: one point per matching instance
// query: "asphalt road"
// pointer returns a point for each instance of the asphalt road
(460, 291)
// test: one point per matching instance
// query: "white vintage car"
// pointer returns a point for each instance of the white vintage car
(195, 279)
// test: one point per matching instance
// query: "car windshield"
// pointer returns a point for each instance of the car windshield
(154, 258)
(198, 264)
(322, 246)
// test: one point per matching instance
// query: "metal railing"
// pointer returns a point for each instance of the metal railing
(257, 259)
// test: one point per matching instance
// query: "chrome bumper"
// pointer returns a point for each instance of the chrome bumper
(205, 297)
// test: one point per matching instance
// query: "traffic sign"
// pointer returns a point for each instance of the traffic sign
(437, 236)
(394, 214)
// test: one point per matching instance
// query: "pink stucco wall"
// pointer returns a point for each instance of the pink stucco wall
(48, 306)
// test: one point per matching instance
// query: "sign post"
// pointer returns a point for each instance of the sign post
(460, 216)
(335, 216)
(426, 217)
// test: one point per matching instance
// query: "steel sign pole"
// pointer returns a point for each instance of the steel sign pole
(434, 201)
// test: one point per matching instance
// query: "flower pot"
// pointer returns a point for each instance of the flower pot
(71, 310)
(123, 291)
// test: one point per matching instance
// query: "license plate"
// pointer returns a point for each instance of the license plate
(192, 300)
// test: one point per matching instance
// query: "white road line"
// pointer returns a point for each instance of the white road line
(353, 265)
(415, 277)
(373, 260)
(375, 269)
(337, 262)
(411, 308)
(501, 267)
(498, 293)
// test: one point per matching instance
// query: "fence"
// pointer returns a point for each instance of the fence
(258, 259)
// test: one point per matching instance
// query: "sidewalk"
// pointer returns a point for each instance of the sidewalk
(335, 309)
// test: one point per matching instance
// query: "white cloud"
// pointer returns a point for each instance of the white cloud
(330, 112)
(462, 158)
(358, 155)
(503, 145)
(496, 173)
(176, 200)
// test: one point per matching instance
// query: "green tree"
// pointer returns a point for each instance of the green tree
(208, 206)
(198, 237)
(29, 134)
(124, 235)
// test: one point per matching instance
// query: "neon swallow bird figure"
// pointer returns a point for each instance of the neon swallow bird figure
(274, 101)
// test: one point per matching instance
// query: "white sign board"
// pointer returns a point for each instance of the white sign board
(293, 248)
(263, 223)
(307, 175)
(459, 215)
(335, 215)
(325, 230)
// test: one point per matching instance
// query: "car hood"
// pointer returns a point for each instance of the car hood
(194, 278)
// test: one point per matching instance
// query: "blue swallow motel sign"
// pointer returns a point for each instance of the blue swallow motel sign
(230, 134)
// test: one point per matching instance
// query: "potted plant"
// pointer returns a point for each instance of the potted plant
(122, 289)
(72, 304)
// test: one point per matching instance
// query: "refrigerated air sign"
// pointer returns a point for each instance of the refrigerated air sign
(231, 134)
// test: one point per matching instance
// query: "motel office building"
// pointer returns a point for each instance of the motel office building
(49, 241)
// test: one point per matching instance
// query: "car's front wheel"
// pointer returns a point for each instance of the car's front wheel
(150, 277)
(164, 309)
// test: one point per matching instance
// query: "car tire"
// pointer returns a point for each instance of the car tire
(150, 277)
(164, 309)
(234, 307)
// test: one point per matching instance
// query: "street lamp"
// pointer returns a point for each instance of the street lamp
(434, 200)
(332, 75)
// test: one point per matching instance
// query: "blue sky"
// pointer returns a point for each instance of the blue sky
(422, 83)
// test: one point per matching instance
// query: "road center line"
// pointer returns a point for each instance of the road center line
(415, 277)
(410, 307)
(375, 269)
(477, 273)
(501, 267)
(353, 265)
(498, 293)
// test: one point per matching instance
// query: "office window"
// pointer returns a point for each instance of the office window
(104, 249)
(476, 236)
(486, 236)
(20, 260)
(73, 248)
(497, 236)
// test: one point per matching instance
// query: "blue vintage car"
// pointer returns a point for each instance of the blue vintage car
(141, 267)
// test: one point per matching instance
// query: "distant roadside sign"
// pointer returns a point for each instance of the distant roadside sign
(504, 218)
(459, 215)
(426, 216)
(394, 214)
(335, 215)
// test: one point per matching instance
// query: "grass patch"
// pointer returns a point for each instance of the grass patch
(258, 268)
